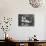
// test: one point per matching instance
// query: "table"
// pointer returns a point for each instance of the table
(27, 42)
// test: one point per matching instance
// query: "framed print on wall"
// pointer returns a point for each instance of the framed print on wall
(25, 20)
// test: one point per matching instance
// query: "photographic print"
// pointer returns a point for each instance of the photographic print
(26, 20)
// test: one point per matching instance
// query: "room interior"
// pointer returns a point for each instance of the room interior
(22, 23)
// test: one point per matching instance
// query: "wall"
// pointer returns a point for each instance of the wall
(11, 8)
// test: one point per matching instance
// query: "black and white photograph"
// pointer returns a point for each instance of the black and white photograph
(26, 20)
